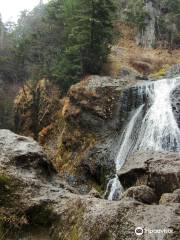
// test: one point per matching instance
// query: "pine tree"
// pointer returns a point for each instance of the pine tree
(91, 33)
(88, 30)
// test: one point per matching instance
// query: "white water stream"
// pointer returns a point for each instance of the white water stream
(158, 130)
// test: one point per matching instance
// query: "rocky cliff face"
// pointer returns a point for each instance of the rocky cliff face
(147, 36)
(36, 204)
(156, 21)
(94, 112)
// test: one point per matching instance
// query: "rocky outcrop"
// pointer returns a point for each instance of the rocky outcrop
(141, 193)
(28, 182)
(170, 197)
(35, 204)
(94, 114)
(174, 71)
(155, 21)
(147, 35)
(23, 152)
(157, 170)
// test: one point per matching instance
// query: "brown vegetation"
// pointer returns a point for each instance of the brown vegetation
(35, 107)
(126, 53)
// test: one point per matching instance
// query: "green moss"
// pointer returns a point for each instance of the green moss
(4, 181)
(161, 73)
(106, 236)
(98, 187)
(70, 224)
(5, 189)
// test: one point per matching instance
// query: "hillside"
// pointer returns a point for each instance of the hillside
(90, 121)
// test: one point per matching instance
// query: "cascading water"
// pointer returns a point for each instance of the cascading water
(158, 130)
(128, 140)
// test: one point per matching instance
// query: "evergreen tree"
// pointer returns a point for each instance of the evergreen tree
(88, 33)
(63, 40)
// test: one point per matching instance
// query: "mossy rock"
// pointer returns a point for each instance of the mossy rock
(161, 73)
(5, 189)
(69, 227)
(9, 187)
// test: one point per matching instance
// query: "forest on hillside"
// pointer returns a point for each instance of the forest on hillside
(66, 41)
(60, 41)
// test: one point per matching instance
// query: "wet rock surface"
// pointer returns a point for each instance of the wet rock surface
(176, 104)
(95, 112)
(40, 206)
(173, 71)
(161, 171)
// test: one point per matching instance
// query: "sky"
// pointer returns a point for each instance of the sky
(10, 9)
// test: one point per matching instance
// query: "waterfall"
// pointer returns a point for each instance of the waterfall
(128, 140)
(114, 188)
(157, 131)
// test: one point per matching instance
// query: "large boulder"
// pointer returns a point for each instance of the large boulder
(36, 204)
(19, 151)
(141, 193)
(161, 171)
(170, 197)
(94, 112)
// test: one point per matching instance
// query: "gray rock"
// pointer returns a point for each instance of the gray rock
(39, 206)
(170, 197)
(176, 104)
(173, 71)
(157, 170)
(24, 152)
(141, 193)
(147, 37)
(129, 74)
(94, 193)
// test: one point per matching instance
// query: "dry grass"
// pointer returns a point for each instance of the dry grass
(126, 53)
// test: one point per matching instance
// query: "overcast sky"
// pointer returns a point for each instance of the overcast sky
(10, 9)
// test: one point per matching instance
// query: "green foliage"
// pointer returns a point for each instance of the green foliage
(168, 24)
(8, 65)
(136, 13)
(87, 33)
(62, 40)
(4, 185)
(167, 18)
(38, 43)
